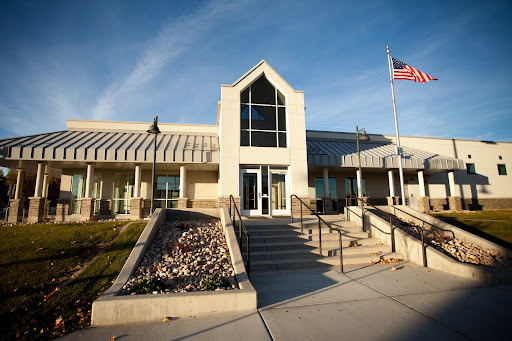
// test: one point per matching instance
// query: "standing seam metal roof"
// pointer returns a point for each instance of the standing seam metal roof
(343, 153)
(97, 146)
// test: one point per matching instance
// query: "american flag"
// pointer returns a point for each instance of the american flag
(404, 71)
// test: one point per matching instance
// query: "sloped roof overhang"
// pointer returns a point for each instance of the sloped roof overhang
(375, 155)
(70, 147)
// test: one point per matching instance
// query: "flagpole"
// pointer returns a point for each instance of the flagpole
(398, 148)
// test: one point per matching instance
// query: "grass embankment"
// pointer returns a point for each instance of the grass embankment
(36, 260)
(495, 226)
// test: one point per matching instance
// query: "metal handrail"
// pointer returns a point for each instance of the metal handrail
(241, 227)
(320, 221)
(422, 228)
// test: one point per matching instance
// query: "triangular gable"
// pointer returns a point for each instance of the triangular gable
(264, 68)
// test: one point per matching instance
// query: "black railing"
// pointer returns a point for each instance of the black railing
(320, 221)
(392, 228)
(241, 228)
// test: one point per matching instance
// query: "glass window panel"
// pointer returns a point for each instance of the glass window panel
(263, 139)
(173, 187)
(264, 205)
(77, 193)
(96, 187)
(244, 116)
(263, 118)
(282, 140)
(161, 183)
(278, 192)
(280, 98)
(264, 180)
(502, 169)
(244, 138)
(319, 187)
(159, 203)
(332, 188)
(262, 92)
(281, 116)
(172, 203)
(244, 97)
(250, 184)
(470, 168)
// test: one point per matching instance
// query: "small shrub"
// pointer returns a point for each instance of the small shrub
(147, 286)
(213, 282)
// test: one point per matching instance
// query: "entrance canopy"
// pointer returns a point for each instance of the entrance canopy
(343, 153)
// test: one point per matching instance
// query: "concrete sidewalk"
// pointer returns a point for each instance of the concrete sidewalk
(367, 302)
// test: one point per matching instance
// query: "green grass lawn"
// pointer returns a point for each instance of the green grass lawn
(35, 260)
(495, 225)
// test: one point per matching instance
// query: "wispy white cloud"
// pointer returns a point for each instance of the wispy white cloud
(174, 39)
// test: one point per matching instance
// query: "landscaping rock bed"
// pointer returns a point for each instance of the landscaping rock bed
(182, 255)
(452, 247)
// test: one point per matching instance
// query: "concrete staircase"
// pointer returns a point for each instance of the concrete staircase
(278, 244)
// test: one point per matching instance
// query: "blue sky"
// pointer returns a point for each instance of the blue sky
(132, 60)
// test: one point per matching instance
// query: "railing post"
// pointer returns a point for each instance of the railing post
(392, 234)
(362, 217)
(291, 204)
(248, 258)
(423, 249)
(301, 224)
(320, 236)
(341, 252)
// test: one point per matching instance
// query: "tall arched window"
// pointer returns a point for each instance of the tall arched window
(262, 115)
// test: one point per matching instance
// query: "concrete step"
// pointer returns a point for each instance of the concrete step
(298, 263)
(308, 245)
(312, 262)
(315, 252)
(359, 258)
(305, 237)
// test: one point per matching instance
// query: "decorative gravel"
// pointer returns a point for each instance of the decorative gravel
(453, 247)
(183, 254)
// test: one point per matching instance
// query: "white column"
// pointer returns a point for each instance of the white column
(183, 181)
(89, 180)
(136, 190)
(326, 183)
(391, 183)
(45, 186)
(451, 183)
(359, 184)
(19, 184)
(38, 191)
(421, 182)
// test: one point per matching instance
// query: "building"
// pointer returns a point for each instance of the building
(260, 152)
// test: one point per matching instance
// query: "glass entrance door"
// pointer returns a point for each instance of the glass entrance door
(279, 193)
(251, 192)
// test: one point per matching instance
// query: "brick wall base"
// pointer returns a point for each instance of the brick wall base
(423, 204)
(36, 210)
(455, 203)
(16, 211)
(487, 204)
(393, 201)
(62, 210)
(182, 202)
(136, 208)
(296, 206)
(105, 207)
(86, 209)
(203, 203)
(223, 202)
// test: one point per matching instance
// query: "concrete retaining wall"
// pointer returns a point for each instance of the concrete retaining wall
(410, 247)
(110, 308)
